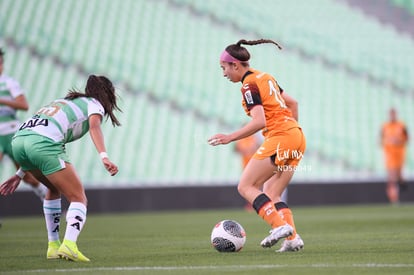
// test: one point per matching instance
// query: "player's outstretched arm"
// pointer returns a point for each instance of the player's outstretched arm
(10, 185)
(257, 123)
(98, 139)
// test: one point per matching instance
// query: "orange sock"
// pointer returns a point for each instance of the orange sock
(266, 209)
(287, 215)
(269, 214)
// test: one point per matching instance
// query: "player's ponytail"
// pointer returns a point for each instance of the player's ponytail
(236, 52)
(102, 89)
(255, 42)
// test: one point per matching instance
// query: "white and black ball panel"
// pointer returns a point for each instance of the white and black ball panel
(233, 228)
(228, 236)
(223, 245)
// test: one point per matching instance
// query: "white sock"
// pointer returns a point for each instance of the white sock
(75, 218)
(52, 210)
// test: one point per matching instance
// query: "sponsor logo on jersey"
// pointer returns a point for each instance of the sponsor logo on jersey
(35, 121)
(248, 97)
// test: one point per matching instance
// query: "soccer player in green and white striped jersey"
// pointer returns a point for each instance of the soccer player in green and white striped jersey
(39, 147)
(12, 99)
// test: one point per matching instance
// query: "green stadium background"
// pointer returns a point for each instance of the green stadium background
(345, 67)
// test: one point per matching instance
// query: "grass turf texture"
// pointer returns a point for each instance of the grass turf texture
(374, 239)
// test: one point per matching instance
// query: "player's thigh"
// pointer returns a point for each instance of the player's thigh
(38, 175)
(68, 183)
(257, 172)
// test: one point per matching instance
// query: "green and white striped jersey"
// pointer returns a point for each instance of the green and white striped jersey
(63, 120)
(9, 89)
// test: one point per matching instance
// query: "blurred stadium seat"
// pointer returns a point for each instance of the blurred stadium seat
(345, 68)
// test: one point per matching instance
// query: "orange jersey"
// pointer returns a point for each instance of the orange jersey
(394, 140)
(394, 134)
(262, 89)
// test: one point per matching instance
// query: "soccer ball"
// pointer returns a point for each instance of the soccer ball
(228, 236)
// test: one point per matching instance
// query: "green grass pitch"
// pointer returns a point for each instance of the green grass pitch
(370, 239)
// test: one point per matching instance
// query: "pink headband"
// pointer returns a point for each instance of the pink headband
(226, 57)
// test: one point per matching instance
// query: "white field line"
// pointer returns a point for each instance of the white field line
(212, 267)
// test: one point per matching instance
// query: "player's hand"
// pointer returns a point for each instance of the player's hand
(110, 167)
(219, 139)
(10, 185)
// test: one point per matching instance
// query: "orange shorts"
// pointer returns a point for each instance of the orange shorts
(394, 157)
(284, 149)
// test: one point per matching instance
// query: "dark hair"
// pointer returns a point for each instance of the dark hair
(241, 53)
(100, 88)
(2, 53)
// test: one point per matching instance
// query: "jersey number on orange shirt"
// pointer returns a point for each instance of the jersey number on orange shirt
(278, 96)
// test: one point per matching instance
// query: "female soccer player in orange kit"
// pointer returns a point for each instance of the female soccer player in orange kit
(273, 165)
(394, 139)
